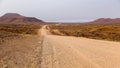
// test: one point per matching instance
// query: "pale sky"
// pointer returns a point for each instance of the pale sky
(63, 10)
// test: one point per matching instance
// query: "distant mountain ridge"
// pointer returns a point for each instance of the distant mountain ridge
(17, 18)
(106, 21)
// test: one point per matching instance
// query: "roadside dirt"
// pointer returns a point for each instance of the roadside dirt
(72, 52)
(21, 52)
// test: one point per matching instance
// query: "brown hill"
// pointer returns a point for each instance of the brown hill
(17, 18)
(106, 21)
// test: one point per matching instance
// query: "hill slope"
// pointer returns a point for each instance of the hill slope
(17, 18)
(106, 21)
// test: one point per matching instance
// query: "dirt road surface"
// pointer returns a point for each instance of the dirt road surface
(73, 52)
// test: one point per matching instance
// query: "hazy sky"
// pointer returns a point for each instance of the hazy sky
(63, 10)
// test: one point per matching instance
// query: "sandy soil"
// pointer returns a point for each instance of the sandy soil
(73, 52)
(23, 52)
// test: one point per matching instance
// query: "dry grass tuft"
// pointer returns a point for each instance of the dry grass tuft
(10, 31)
(106, 32)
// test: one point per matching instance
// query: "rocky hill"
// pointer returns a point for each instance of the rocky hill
(17, 18)
(106, 21)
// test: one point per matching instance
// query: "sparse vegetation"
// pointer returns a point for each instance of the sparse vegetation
(10, 31)
(106, 32)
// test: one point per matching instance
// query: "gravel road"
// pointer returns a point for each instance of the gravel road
(73, 52)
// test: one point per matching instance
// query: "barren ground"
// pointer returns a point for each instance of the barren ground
(22, 52)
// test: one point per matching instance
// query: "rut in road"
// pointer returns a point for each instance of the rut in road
(72, 52)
